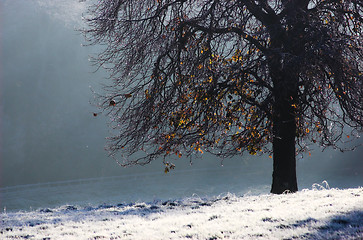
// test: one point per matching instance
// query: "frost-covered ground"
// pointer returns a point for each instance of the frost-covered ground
(318, 213)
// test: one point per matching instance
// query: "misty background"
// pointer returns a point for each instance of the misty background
(52, 147)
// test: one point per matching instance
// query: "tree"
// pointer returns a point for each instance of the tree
(227, 77)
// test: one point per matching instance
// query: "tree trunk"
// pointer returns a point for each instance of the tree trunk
(283, 146)
(284, 73)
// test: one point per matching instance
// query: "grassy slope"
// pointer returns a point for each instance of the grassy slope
(308, 214)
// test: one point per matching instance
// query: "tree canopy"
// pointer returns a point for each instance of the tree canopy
(226, 77)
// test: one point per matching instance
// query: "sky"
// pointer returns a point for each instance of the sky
(48, 131)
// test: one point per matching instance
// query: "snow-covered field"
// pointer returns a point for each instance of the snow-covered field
(318, 213)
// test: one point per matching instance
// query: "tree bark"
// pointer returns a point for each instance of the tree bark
(284, 69)
(284, 157)
(284, 134)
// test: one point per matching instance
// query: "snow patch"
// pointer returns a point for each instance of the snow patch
(319, 213)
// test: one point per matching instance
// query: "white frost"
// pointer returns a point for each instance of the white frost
(308, 214)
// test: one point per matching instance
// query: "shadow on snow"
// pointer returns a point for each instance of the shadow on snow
(345, 226)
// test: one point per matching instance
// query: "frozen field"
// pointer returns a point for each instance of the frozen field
(238, 179)
(143, 187)
(318, 213)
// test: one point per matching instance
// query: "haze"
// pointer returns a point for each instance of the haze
(49, 133)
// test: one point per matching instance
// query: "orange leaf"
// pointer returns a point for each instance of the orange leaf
(112, 103)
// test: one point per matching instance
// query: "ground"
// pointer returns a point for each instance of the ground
(318, 213)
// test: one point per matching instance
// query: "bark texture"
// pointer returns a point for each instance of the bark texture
(284, 160)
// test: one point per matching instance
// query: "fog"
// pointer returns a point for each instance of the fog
(49, 134)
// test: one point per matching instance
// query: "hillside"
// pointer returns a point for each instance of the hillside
(318, 213)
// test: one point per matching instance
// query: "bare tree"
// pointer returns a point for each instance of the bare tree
(230, 76)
